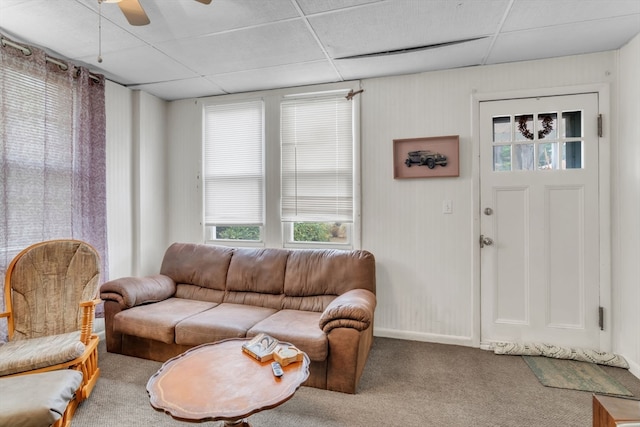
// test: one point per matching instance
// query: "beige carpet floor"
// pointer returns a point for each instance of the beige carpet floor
(405, 383)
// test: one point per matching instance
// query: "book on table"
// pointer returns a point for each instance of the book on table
(261, 347)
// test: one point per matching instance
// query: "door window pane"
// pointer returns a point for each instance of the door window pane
(547, 126)
(572, 153)
(501, 129)
(572, 124)
(547, 158)
(523, 158)
(524, 129)
(502, 158)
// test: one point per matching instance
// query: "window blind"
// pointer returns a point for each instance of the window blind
(317, 159)
(37, 157)
(234, 164)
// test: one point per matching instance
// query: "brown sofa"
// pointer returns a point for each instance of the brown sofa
(321, 301)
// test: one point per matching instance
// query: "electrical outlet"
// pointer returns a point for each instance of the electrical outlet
(447, 207)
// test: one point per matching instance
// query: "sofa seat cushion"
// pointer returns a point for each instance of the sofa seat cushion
(37, 400)
(219, 323)
(35, 353)
(157, 321)
(300, 328)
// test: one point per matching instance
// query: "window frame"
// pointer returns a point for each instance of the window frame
(273, 233)
(208, 228)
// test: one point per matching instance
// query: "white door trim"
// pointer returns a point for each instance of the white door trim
(604, 146)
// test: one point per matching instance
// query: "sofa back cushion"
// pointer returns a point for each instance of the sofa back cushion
(304, 279)
(200, 271)
(316, 276)
(256, 277)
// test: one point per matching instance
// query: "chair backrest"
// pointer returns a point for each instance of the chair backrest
(44, 285)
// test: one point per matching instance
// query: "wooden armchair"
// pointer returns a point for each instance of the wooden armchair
(50, 297)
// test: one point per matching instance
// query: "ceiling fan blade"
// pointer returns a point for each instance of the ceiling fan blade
(204, 1)
(134, 12)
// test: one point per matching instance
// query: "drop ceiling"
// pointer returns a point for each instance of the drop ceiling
(193, 50)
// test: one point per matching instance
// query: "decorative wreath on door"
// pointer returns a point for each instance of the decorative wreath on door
(547, 127)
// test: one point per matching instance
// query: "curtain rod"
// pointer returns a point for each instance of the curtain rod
(24, 49)
(27, 52)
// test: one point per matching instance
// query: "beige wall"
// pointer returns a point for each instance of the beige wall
(152, 179)
(136, 181)
(626, 209)
(118, 100)
(184, 174)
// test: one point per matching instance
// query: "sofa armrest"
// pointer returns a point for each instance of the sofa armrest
(353, 309)
(132, 291)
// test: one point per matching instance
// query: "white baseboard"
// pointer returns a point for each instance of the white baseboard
(421, 336)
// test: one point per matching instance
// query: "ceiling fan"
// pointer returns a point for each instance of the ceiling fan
(133, 11)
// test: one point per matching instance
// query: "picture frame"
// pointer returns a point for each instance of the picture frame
(427, 157)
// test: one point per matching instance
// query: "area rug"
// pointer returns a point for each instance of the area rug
(574, 375)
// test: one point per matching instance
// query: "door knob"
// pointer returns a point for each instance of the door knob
(485, 241)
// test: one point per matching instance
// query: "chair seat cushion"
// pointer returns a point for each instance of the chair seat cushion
(37, 400)
(35, 353)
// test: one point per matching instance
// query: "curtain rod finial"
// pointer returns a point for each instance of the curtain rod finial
(351, 94)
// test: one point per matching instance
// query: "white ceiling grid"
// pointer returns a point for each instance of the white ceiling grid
(193, 50)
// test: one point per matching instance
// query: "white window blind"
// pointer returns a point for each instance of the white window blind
(233, 164)
(37, 158)
(317, 159)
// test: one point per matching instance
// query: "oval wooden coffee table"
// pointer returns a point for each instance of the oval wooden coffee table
(218, 381)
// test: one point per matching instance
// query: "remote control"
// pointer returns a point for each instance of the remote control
(277, 369)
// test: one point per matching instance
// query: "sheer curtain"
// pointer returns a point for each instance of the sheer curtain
(52, 154)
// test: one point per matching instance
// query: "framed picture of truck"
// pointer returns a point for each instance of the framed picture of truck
(426, 157)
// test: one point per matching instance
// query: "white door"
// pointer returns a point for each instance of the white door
(539, 220)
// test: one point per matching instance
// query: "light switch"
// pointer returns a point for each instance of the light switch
(447, 206)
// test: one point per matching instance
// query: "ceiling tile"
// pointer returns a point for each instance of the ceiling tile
(402, 24)
(70, 29)
(280, 43)
(526, 14)
(563, 40)
(180, 89)
(141, 65)
(177, 19)
(310, 7)
(277, 77)
(454, 56)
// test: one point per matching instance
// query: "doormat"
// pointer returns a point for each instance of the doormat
(561, 352)
(574, 375)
